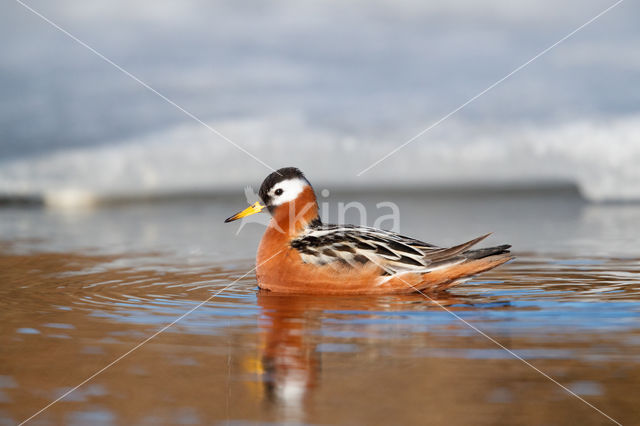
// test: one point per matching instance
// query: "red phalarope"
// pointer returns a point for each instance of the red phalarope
(300, 254)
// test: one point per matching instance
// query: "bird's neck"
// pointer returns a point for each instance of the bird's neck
(295, 216)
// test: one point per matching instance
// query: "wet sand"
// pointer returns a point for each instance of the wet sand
(251, 356)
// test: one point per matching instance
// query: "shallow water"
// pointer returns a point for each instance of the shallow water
(79, 290)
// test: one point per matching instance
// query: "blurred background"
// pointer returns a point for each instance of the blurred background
(325, 86)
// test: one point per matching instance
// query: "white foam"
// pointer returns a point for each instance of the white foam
(69, 199)
(600, 156)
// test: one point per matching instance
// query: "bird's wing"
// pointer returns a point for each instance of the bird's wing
(355, 246)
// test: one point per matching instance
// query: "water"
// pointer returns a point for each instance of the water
(123, 196)
(79, 289)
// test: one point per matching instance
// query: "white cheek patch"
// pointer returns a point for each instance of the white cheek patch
(291, 188)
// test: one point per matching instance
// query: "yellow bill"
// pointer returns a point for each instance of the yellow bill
(252, 209)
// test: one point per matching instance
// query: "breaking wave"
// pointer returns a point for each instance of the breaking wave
(600, 157)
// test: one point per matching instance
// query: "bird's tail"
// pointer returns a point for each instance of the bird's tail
(474, 262)
(486, 252)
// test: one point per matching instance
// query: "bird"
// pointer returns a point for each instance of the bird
(300, 254)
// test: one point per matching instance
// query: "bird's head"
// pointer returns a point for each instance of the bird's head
(288, 196)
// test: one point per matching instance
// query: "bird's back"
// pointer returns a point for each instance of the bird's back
(347, 259)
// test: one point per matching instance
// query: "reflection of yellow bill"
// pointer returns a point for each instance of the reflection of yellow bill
(252, 209)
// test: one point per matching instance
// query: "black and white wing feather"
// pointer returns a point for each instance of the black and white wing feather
(353, 246)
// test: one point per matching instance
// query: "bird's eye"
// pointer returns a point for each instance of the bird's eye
(279, 191)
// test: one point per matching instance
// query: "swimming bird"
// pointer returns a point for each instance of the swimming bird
(300, 254)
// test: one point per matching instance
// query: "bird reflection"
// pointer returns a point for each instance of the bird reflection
(289, 362)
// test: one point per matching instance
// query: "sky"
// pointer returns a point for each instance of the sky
(329, 87)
